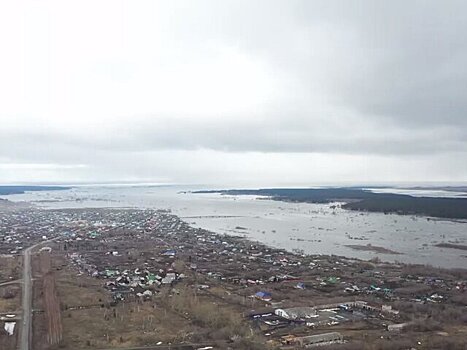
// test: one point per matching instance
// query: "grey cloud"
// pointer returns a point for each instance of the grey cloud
(396, 59)
(276, 135)
(378, 78)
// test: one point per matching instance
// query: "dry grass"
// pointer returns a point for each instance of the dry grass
(99, 326)
(10, 268)
(126, 325)
(83, 290)
(10, 298)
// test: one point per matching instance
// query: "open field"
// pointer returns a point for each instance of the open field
(10, 298)
(91, 318)
(10, 268)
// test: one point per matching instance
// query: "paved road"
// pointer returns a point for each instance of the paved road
(27, 300)
(26, 327)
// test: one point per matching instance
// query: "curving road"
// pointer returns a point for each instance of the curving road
(10, 282)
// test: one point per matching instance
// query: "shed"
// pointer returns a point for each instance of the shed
(297, 313)
(324, 338)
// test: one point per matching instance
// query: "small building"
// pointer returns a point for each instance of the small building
(300, 285)
(265, 296)
(297, 313)
(388, 309)
(313, 340)
(169, 278)
(169, 252)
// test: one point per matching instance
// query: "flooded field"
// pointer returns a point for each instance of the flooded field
(311, 228)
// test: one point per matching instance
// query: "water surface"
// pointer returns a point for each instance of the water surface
(313, 228)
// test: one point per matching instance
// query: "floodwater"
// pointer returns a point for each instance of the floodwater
(311, 228)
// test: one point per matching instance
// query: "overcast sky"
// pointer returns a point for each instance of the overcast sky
(245, 93)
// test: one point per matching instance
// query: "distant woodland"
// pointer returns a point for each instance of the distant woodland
(6, 190)
(364, 200)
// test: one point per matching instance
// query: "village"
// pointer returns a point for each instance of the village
(126, 278)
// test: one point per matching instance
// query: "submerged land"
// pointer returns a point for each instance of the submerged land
(129, 278)
(8, 190)
(363, 200)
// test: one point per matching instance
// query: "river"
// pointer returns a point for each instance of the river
(312, 228)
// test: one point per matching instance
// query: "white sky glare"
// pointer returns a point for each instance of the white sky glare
(241, 93)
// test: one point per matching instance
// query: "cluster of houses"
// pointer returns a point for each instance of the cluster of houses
(142, 282)
(242, 267)
(24, 227)
(139, 282)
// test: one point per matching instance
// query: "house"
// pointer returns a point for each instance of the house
(265, 296)
(344, 307)
(297, 313)
(389, 309)
(169, 252)
(300, 285)
(169, 278)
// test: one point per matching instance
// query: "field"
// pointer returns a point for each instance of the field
(10, 296)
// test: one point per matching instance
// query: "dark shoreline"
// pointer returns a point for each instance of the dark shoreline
(14, 189)
(452, 246)
(372, 248)
(364, 200)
